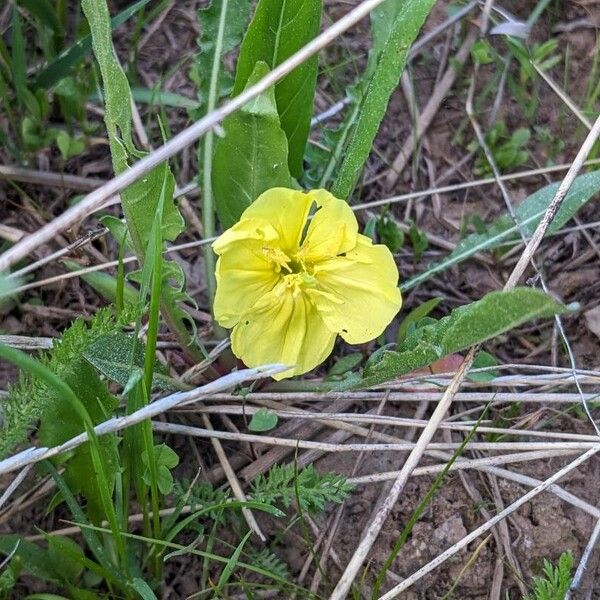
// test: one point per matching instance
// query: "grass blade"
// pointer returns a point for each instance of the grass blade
(60, 67)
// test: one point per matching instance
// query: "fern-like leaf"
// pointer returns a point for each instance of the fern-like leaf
(313, 489)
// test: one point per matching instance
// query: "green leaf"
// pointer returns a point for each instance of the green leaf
(283, 484)
(389, 234)
(76, 399)
(143, 589)
(252, 157)
(69, 146)
(494, 314)
(28, 398)
(140, 200)
(483, 360)
(111, 354)
(481, 52)
(8, 580)
(62, 551)
(414, 316)
(166, 459)
(72, 98)
(278, 30)
(60, 423)
(231, 564)
(263, 420)
(237, 12)
(92, 540)
(345, 364)
(34, 559)
(418, 240)
(383, 82)
(529, 213)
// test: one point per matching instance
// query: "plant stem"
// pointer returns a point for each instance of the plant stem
(208, 209)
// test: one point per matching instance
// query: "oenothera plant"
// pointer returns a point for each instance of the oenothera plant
(293, 271)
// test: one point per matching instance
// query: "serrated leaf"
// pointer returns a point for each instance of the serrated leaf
(236, 17)
(140, 200)
(383, 82)
(111, 354)
(283, 484)
(494, 314)
(263, 420)
(278, 30)
(251, 157)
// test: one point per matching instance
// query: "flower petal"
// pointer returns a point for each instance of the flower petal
(332, 230)
(283, 327)
(244, 271)
(286, 210)
(357, 294)
(247, 229)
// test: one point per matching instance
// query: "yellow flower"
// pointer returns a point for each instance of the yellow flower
(288, 285)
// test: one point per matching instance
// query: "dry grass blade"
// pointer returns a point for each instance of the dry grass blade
(583, 563)
(345, 582)
(409, 581)
(34, 455)
(463, 464)
(14, 484)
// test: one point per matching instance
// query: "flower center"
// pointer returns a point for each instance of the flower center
(296, 266)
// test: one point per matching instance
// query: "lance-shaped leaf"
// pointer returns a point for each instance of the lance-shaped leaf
(278, 30)
(251, 157)
(391, 60)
